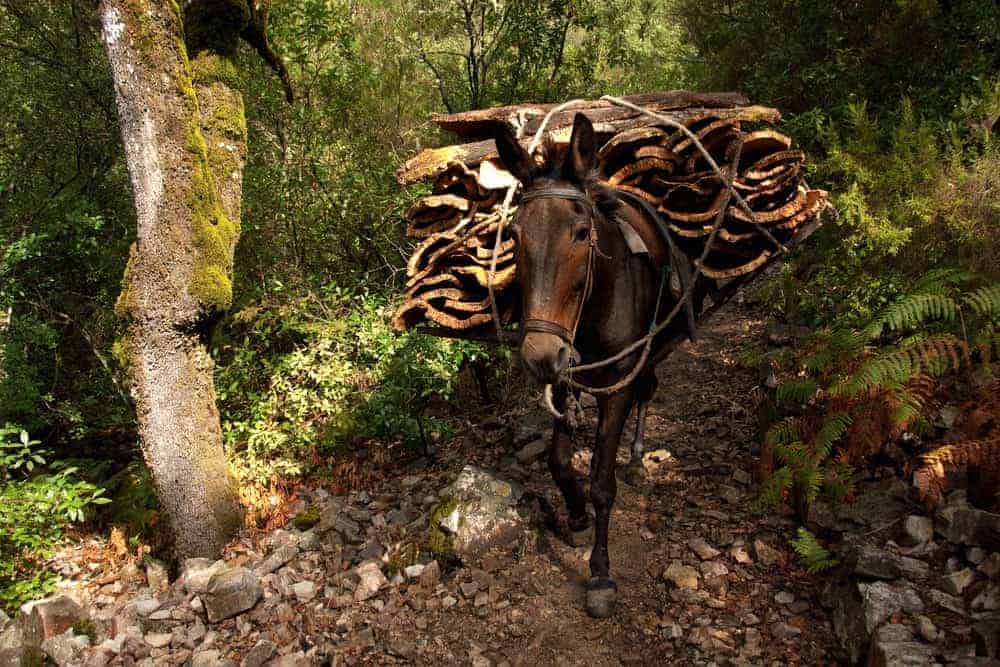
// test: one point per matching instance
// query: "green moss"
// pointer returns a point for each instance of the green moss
(307, 518)
(214, 234)
(229, 120)
(438, 542)
(86, 628)
(208, 67)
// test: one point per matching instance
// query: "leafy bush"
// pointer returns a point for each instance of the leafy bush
(814, 555)
(911, 194)
(315, 372)
(37, 499)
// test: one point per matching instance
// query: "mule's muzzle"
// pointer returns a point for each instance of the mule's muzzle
(545, 355)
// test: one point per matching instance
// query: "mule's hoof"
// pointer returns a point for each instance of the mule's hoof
(634, 474)
(601, 596)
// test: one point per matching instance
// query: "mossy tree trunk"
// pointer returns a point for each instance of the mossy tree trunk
(184, 132)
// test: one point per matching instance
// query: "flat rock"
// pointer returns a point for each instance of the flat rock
(766, 554)
(49, 617)
(304, 590)
(278, 558)
(968, 526)
(477, 512)
(531, 452)
(682, 576)
(231, 592)
(431, 575)
(918, 529)
(197, 572)
(956, 582)
(258, 656)
(370, 581)
(702, 549)
(66, 649)
(894, 645)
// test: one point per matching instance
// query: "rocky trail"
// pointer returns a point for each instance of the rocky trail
(455, 561)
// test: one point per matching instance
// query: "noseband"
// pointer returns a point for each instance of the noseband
(545, 326)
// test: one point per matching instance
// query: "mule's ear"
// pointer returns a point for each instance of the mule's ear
(514, 156)
(582, 158)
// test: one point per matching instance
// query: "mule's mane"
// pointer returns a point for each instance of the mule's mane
(555, 167)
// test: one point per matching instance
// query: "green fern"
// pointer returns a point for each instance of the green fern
(985, 301)
(833, 429)
(797, 391)
(914, 310)
(814, 555)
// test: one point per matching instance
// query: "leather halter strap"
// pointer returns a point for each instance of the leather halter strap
(556, 193)
(535, 325)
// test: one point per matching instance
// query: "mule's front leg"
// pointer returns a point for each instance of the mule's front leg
(613, 411)
(561, 467)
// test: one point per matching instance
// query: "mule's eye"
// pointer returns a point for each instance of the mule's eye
(581, 234)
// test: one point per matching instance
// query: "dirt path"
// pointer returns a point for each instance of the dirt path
(752, 605)
(703, 580)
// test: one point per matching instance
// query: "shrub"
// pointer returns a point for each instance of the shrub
(316, 372)
(38, 498)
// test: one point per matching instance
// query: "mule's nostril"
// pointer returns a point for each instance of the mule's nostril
(563, 358)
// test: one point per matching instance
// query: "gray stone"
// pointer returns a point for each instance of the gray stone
(894, 645)
(784, 598)
(370, 581)
(309, 541)
(766, 554)
(783, 630)
(304, 591)
(702, 549)
(231, 592)
(208, 658)
(278, 558)
(945, 601)
(874, 563)
(918, 529)
(46, 618)
(956, 582)
(156, 574)
(413, 571)
(431, 575)
(858, 609)
(988, 599)
(531, 452)
(968, 526)
(477, 513)
(259, 654)
(975, 555)
(197, 572)
(159, 639)
(927, 629)
(66, 649)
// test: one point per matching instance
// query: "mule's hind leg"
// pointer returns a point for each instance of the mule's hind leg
(561, 467)
(613, 411)
(645, 387)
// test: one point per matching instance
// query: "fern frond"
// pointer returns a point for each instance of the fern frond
(939, 280)
(796, 391)
(931, 478)
(916, 309)
(892, 368)
(786, 431)
(775, 488)
(834, 427)
(985, 301)
(814, 555)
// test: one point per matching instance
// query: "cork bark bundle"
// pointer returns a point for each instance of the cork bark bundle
(448, 270)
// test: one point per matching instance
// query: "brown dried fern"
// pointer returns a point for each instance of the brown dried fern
(979, 457)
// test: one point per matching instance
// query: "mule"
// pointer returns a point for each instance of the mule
(591, 273)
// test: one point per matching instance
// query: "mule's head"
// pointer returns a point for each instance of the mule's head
(553, 231)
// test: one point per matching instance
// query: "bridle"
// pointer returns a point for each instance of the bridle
(535, 325)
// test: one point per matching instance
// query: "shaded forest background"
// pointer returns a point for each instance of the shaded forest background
(895, 101)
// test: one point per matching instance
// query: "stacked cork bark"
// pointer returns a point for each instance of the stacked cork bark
(448, 272)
